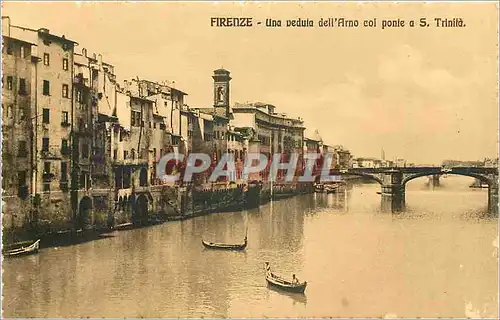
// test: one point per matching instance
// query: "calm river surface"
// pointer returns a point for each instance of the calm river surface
(435, 260)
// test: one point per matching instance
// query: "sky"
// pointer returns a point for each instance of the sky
(422, 94)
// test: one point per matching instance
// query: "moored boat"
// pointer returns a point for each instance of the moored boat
(281, 283)
(22, 251)
(225, 246)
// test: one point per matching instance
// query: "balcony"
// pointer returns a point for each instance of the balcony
(47, 177)
(65, 124)
(79, 79)
(52, 152)
(65, 151)
(131, 162)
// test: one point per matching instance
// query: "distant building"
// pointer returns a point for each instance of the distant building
(400, 163)
(367, 163)
(460, 163)
(272, 133)
(490, 163)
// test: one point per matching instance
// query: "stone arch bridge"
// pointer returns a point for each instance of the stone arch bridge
(393, 180)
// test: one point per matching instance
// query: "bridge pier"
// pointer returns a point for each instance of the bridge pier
(393, 192)
(493, 198)
(435, 180)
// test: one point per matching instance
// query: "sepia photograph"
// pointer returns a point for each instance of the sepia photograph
(250, 159)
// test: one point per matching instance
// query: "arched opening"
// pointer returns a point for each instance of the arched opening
(143, 177)
(454, 193)
(445, 174)
(141, 209)
(84, 219)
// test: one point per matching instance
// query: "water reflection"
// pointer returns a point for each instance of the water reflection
(295, 297)
(341, 244)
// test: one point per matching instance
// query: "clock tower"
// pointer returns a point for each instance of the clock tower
(221, 92)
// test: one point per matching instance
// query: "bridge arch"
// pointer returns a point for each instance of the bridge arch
(467, 174)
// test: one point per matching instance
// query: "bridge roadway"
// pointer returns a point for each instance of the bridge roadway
(394, 179)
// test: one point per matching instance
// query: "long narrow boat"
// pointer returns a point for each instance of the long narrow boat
(225, 246)
(31, 249)
(281, 283)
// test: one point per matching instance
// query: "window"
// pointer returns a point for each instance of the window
(64, 146)
(65, 64)
(65, 91)
(65, 118)
(22, 86)
(154, 154)
(136, 119)
(46, 116)
(46, 168)
(125, 154)
(23, 52)
(79, 96)
(46, 88)
(115, 154)
(64, 171)
(46, 59)
(21, 177)
(132, 154)
(22, 151)
(10, 113)
(10, 48)
(45, 144)
(9, 82)
(22, 113)
(85, 151)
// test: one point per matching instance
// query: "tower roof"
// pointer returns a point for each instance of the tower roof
(221, 70)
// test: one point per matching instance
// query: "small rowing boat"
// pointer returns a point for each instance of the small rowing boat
(22, 251)
(281, 283)
(225, 246)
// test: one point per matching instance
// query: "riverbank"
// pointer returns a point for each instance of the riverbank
(191, 204)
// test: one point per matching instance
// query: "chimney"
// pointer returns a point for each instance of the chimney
(6, 26)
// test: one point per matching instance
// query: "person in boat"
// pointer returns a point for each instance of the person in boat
(295, 280)
(268, 268)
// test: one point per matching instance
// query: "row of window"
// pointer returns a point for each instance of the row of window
(64, 183)
(46, 61)
(10, 85)
(45, 88)
(65, 147)
(46, 116)
(22, 175)
(24, 53)
(9, 112)
(23, 50)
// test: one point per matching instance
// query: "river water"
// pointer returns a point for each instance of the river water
(435, 260)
